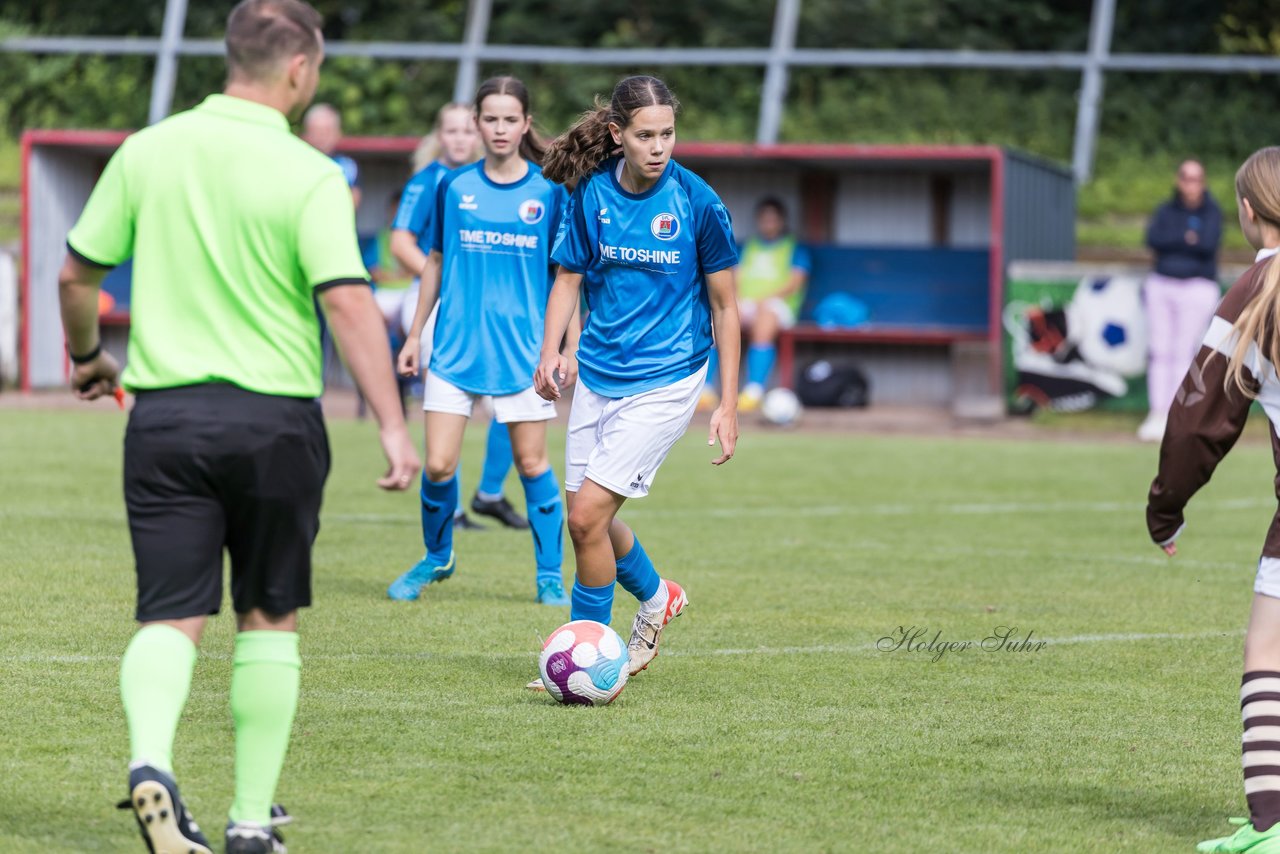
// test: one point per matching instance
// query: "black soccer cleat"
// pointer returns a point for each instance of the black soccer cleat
(463, 522)
(501, 510)
(247, 838)
(163, 819)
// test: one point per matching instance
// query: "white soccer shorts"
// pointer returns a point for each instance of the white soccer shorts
(440, 395)
(747, 309)
(620, 442)
(1267, 581)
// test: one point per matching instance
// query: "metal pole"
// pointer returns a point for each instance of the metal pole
(1100, 26)
(477, 31)
(785, 19)
(175, 21)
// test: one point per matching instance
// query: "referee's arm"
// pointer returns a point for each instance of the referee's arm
(94, 372)
(101, 239)
(361, 335)
(331, 263)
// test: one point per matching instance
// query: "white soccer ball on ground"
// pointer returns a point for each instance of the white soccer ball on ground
(585, 663)
(781, 407)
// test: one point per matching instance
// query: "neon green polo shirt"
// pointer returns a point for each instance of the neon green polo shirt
(233, 223)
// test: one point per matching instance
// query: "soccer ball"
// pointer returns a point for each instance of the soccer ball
(780, 406)
(1106, 321)
(584, 662)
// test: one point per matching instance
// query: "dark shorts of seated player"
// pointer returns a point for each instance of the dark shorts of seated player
(213, 466)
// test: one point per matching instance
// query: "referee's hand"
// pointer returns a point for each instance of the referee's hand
(402, 458)
(95, 379)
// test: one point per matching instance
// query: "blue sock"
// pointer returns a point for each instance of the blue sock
(636, 573)
(713, 369)
(497, 459)
(592, 603)
(760, 363)
(546, 521)
(438, 503)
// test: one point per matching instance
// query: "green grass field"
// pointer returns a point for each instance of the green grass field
(771, 722)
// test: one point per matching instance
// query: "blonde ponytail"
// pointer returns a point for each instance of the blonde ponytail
(1258, 181)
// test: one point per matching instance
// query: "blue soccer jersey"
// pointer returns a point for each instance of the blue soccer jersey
(418, 203)
(645, 258)
(496, 277)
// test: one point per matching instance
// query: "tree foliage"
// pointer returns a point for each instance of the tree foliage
(1217, 117)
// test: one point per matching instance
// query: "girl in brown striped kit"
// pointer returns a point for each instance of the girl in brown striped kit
(1235, 366)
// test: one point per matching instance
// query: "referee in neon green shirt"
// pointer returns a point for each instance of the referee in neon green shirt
(233, 224)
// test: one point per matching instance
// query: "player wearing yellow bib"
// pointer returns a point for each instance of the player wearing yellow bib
(773, 269)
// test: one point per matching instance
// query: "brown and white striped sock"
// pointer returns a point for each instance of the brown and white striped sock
(1260, 708)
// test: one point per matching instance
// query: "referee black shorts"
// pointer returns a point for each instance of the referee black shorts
(213, 467)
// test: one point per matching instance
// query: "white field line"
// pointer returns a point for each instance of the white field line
(818, 649)
(964, 509)
(953, 509)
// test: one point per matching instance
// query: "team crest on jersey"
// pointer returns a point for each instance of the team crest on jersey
(468, 203)
(665, 226)
(603, 217)
(532, 211)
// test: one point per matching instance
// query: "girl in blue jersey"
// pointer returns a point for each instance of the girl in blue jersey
(654, 246)
(489, 262)
(452, 143)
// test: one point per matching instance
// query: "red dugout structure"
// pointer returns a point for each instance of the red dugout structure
(921, 234)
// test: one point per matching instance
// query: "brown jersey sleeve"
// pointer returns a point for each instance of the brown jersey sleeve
(1206, 418)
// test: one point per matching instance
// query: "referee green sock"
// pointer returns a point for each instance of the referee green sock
(264, 696)
(155, 678)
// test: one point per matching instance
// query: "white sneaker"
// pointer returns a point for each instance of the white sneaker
(536, 685)
(645, 633)
(1152, 429)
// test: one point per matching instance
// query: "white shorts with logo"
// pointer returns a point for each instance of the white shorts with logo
(620, 442)
(747, 309)
(440, 395)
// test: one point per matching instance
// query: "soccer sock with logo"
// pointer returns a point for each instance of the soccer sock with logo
(264, 696)
(1260, 708)
(591, 603)
(439, 500)
(760, 358)
(713, 370)
(637, 575)
(546, 522)
(155, 678)
(497, 461)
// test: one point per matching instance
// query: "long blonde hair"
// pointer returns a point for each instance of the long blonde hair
(429, 147)
(1258, 181)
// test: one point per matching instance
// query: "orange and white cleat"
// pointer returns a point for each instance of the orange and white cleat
(645, 633)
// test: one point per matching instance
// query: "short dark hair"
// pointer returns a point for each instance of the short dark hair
(772, 202)
(262, 33)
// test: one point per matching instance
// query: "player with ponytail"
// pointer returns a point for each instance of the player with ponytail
(489, 264)
(453, 143)
(1236, 365)
(652, 246)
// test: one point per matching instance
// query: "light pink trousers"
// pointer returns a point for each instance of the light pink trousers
(1178, 315)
